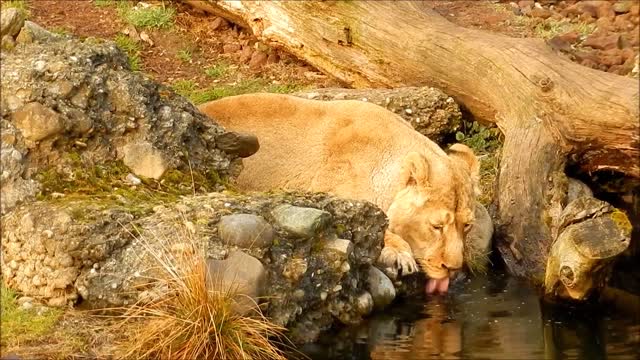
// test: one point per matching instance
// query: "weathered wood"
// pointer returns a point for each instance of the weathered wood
(548, 108)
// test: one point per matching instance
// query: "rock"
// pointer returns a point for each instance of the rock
(219, 24)
(433, 113)
(635, 10)
(611, 57)
(33, 32)
(603, 42)
(381, 288)
(594, 8)
(258, 60)
(37, 122)
(273, 58)
(622, 7)
(246, 54)
(102, 112)
(242, 275)
(525, 4)
(245, 231)
(24, 299)
(365, 303)
(11, 21)
(144, 160)
(133, 180)
(301, 221)
(87, 246)
(603, 24)
(8, 43)
(340, 246)
(563, 42)
(231, 48)
(540, 13)
(635, 72)
(478, 241)
(242, 145)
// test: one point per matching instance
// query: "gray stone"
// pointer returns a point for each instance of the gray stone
(381, 288)
(478, 240)
(245, 230)
(364, 303)
(33, 32)
(301, 221)
(11, 21)
(241, 274)
(37, 122)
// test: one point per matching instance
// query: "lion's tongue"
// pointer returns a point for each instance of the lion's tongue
(439, 285)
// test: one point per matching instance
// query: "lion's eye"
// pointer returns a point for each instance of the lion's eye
(437, 227)
(467, 226)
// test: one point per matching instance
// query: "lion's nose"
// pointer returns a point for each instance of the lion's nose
(451, 266)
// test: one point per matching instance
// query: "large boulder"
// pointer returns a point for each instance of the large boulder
(431, 112)
(70, 106)
(68, 251)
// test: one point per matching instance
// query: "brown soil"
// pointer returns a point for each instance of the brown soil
(193, 34)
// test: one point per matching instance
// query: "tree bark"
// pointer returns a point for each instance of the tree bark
(549, 109)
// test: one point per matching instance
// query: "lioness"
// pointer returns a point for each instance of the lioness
(362, 151)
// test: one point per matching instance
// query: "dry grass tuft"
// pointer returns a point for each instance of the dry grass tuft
(189, 320)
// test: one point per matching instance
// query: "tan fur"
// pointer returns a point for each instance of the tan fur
(361, 151)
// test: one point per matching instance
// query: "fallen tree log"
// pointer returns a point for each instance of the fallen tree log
(550, 110)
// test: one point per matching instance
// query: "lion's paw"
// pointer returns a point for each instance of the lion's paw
(401, 262)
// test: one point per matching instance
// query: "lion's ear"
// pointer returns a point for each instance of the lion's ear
(465, 155)
(415, 170)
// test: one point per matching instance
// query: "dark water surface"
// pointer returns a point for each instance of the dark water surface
(486, 318)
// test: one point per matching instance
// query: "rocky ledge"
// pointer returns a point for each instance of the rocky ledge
(310, 255)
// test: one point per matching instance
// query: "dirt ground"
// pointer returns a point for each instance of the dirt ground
(201, 51)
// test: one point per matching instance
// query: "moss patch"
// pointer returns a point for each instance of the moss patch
(106, 186)
(20, 326)
(191, 90)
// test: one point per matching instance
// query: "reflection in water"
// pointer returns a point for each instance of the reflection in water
(496, 318)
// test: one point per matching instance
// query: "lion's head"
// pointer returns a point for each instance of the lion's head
(434, 210)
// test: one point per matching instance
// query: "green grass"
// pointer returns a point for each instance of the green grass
(189, 89)
(17, 4)
(153, 17)
(131, 48)
(20, 326)
(218, 70)
(486, 143)
(103, 3)
(60, 30)
(550, 28)
(184, 55)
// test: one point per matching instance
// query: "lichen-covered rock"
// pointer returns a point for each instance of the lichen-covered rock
(430, 111)
(72, 105)
(33, 32)
(11, 21)
(68, 249)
